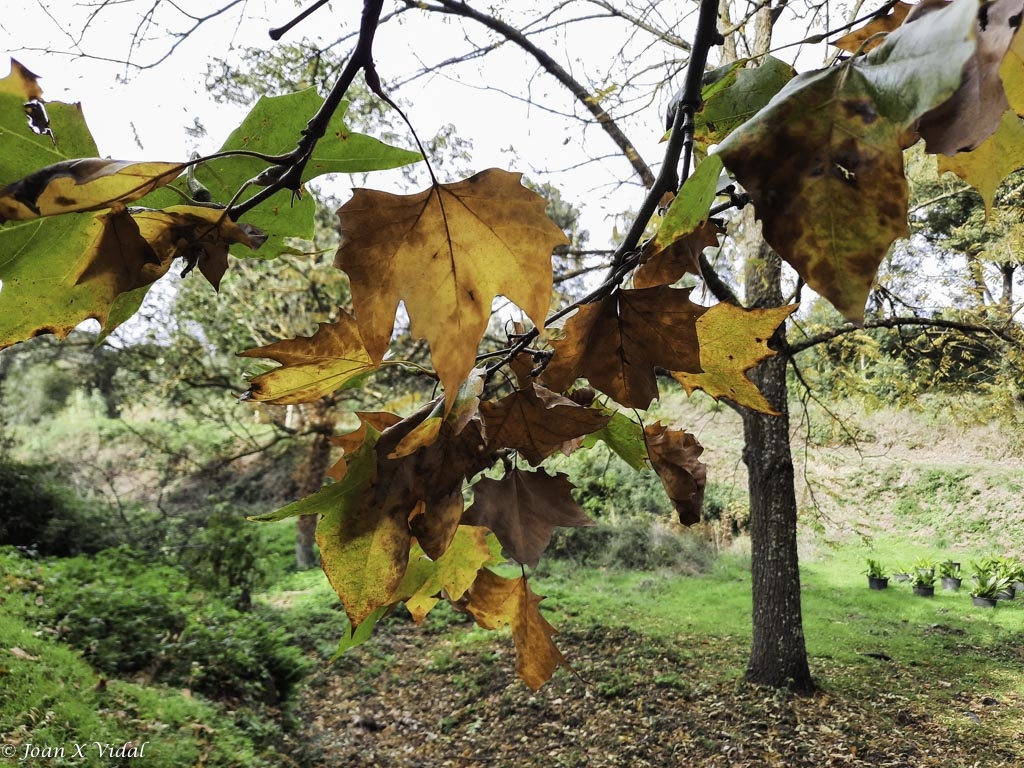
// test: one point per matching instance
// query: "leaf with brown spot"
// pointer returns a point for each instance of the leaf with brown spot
(823, 161)
(673, 454)
(86, 184)
(311, 367)
(495, 602)
(463, 410)
(617, 343)
(446, 253)
(61, 271)
(856, 41)
(733, 340)
(681, 256)
(537, 423)
(825, 173)
(350, 442)
(523, 509)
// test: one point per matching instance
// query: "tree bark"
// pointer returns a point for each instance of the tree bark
(778, 655)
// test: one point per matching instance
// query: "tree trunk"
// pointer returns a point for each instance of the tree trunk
(778, 655)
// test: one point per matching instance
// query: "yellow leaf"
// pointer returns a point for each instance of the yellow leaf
(733, 340)
(82, 185)
(446, 253)
(495, 601)
(997, 157)
(311, 366)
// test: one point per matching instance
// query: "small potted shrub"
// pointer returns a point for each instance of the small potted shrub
(988, 583)
(876, 575)
(901, 574)
(923, 578)
(949, 573)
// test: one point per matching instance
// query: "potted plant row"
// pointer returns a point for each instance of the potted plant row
(994, 578)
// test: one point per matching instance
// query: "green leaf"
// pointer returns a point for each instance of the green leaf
(26, 151)
(624, 436)
(62, 270)
(689, 209)
(920, 65)
(357, 635)
(274, 127)
(736, 94)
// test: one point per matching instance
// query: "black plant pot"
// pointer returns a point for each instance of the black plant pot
(876, 583)
(951, 583)
(1005, 594)
(924, 591)
(984, 602)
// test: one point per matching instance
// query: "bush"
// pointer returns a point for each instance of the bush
(38, 515)
(130, 617)
(635, 544)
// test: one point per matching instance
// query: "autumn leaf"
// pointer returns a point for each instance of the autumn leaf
(87, 184)
(36, 150)
(59, 272)
(463, 410)
(617, 343)
(673, 454)
(353, 441)
(823, 161)
(495, 602)
(537, 423)
(858, 41)
(446, 253)
(311, 367)
(974, 111)
(683, 232)
(427, 580)
(733, 340)
(523, 509)
(988, 165)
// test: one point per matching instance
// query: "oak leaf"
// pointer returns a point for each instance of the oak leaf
(673, 454)
(617, 343)
(523, 509)
(311, 367)
(86, 184)
(446, 253)
(732, 341)
(495, 602)
(537, 423)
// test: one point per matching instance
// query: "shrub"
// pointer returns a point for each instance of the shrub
(129, 617)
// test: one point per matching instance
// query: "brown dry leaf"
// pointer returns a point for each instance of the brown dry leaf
(682, 256)
(463, 410)
(733, 340)
(890, 20)
(311, 367)
(196, 234)
(974, 112)
(618, 342)
(495, 601)
(536, 422)
(86, 184)
(673, 454)
(523, 509)
(446, 253)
